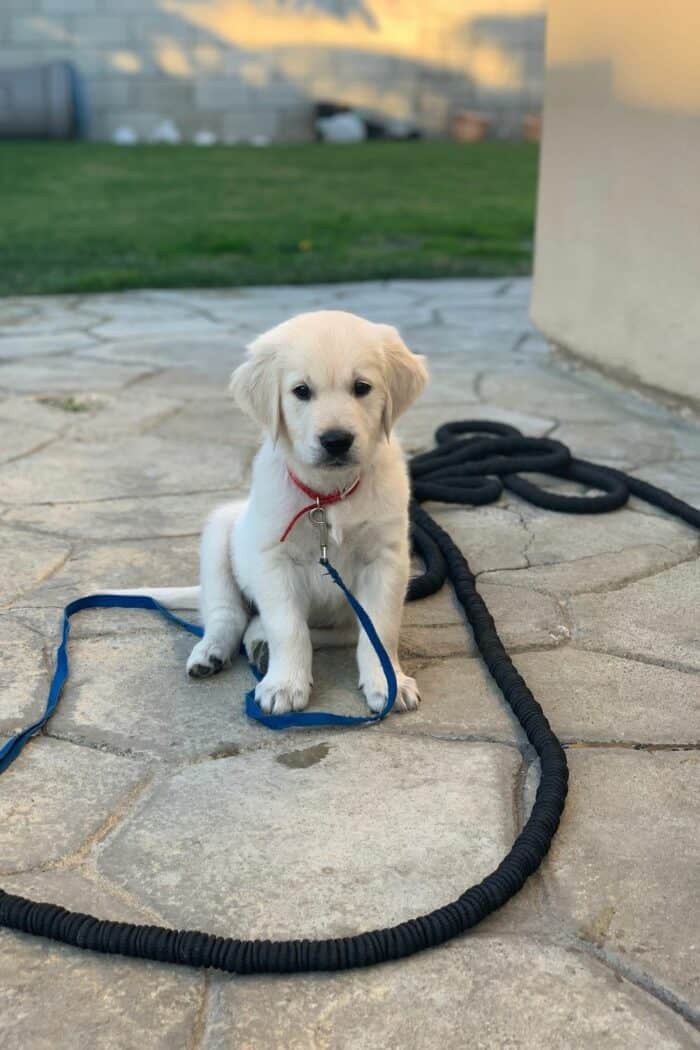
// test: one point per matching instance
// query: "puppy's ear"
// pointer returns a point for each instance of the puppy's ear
(255, 385)
(406, 375)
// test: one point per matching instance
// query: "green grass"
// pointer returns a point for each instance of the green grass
(81, 217)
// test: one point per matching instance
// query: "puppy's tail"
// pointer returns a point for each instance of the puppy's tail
(170, 597)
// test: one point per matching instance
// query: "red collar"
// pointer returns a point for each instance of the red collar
(320, 499)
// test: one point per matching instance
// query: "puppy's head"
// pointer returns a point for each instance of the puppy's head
(328, 386)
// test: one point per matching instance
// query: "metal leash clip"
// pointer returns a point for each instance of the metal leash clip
(318, 518)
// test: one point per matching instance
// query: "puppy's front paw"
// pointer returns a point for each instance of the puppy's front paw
(407, 695)
(207, 658)
(277, 697)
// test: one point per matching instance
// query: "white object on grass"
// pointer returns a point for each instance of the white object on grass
(166, 132)
(342, 127)
(205, 138)
(124, 136)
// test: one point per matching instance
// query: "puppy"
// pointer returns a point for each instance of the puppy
(327, 388)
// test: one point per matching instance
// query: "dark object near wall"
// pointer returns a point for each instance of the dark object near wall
(375, 127)
(42, 102)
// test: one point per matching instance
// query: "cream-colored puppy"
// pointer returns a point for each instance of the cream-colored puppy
(327, 388)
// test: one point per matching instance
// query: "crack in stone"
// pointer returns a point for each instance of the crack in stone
(625, 745)
(20, 359)
(455, 736)
(77, 856)
(141, 377)
(120, 499)
(168, 413)
(50, 572)
(576, 562)
(197, 1037)
(637, 977)
(113, 889)
(621, 585)
(31, 451)
(625, 654)
(78, 740)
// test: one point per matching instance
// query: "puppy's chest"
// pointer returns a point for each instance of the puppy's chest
(350, 544)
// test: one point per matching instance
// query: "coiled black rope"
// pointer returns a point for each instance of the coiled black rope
(462, 470)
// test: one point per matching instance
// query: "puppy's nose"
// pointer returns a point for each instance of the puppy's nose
(336, 442)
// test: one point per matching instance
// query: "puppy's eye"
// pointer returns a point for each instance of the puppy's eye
(361, 389)
(302, 391)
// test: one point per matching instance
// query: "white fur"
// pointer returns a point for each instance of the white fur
(244, 566)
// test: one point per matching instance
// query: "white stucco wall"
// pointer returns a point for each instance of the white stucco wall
(617, 261)
(240, 67)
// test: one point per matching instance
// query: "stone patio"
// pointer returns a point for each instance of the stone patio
(152, 799)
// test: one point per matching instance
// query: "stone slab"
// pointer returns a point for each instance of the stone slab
(490, 537)
(593, 552)
(524, 619)
(346, 829)
(16, 443)
(172, 562)
(23, 675)
(51, 375)
(596, 697)
(586, 697)
(130, 692)
(33, 558)
(681, 477)
(563, 397)
(247, 832)
(417, 428)
(479, 991)
(110, 416)
(609, 870)
(55, 797)
(214, 353)
(144, 465)
(626, 441)
(107, 520)
(41, 315)
(655, 619)
(13, 347)
(92, 1001)
(31, 413)
(221, 424)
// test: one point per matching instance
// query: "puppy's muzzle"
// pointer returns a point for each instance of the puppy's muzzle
(336, 444)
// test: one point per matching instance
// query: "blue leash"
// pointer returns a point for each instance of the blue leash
(293, 719)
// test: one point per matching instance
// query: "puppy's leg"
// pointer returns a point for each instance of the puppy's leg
(258, 653)
(381, 589)
(284, 626)
(223, 610)
(255, 644)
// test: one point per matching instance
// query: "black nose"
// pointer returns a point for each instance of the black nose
(336, 442)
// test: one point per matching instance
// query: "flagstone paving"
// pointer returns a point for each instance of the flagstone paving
(152, 799)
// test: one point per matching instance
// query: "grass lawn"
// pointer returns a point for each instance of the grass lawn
(83, 217)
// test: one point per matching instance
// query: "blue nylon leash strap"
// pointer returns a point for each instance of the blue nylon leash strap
(293, 719)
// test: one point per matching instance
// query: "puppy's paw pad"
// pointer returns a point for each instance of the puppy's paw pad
(199, 671)
(207, 658)
(276, 698)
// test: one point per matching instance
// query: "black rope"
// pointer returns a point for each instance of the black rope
(462, 470)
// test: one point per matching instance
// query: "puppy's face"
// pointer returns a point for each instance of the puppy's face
(328, 386)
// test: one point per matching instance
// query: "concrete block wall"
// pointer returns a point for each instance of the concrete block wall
(617, 249)
(245, 67)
